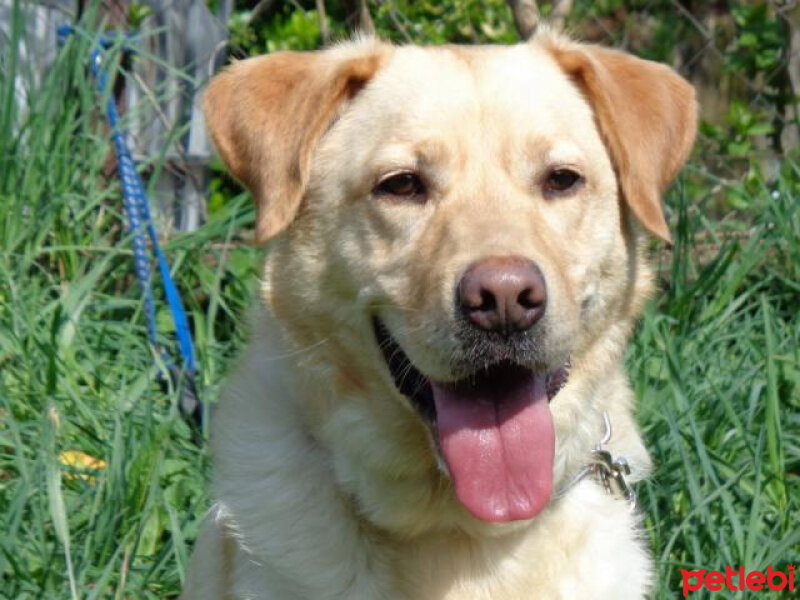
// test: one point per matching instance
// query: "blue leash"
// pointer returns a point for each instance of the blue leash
(137, 209)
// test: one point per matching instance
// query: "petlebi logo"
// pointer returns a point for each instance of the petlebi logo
(732, 579)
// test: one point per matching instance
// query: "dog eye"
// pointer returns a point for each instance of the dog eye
(401, 185)
(562, 180)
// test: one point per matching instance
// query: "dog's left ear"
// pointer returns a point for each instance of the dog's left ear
(266, 115)
(647, 115)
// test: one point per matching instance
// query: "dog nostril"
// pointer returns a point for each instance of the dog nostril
(488, 301)
(530, 298)
(524, 299)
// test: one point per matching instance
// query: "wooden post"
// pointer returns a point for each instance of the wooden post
(526, 16)
(357, 16)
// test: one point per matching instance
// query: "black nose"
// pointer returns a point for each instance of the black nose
(503, 293)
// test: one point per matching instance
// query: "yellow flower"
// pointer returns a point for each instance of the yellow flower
(81, 465)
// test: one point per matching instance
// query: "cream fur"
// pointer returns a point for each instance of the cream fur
(327, 483)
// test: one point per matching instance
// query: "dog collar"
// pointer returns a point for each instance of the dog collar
(610, 470)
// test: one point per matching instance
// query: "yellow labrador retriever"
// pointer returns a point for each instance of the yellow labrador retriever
(433, 404)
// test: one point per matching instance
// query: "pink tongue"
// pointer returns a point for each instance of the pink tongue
(498, 440)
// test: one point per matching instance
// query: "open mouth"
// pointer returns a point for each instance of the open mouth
(494, 429)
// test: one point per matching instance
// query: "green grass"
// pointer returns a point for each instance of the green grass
(715, 364)
(76, 372)
(716, 368)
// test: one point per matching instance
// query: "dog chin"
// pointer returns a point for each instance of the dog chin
(493, 428)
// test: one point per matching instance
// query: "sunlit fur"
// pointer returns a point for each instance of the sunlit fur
(327, 483)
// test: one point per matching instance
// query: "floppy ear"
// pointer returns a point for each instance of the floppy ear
(267, 114)
(647, 115)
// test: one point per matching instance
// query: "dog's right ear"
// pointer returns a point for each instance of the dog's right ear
(267, 114)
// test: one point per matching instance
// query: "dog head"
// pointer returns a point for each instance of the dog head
(456, 235)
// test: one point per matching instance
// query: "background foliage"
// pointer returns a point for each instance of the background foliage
(102, 484)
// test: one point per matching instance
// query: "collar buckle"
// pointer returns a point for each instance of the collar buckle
(609, 470)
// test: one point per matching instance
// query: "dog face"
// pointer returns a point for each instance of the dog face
(455, 240)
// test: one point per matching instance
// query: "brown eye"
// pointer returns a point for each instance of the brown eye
(404, 185)
(562, 180)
